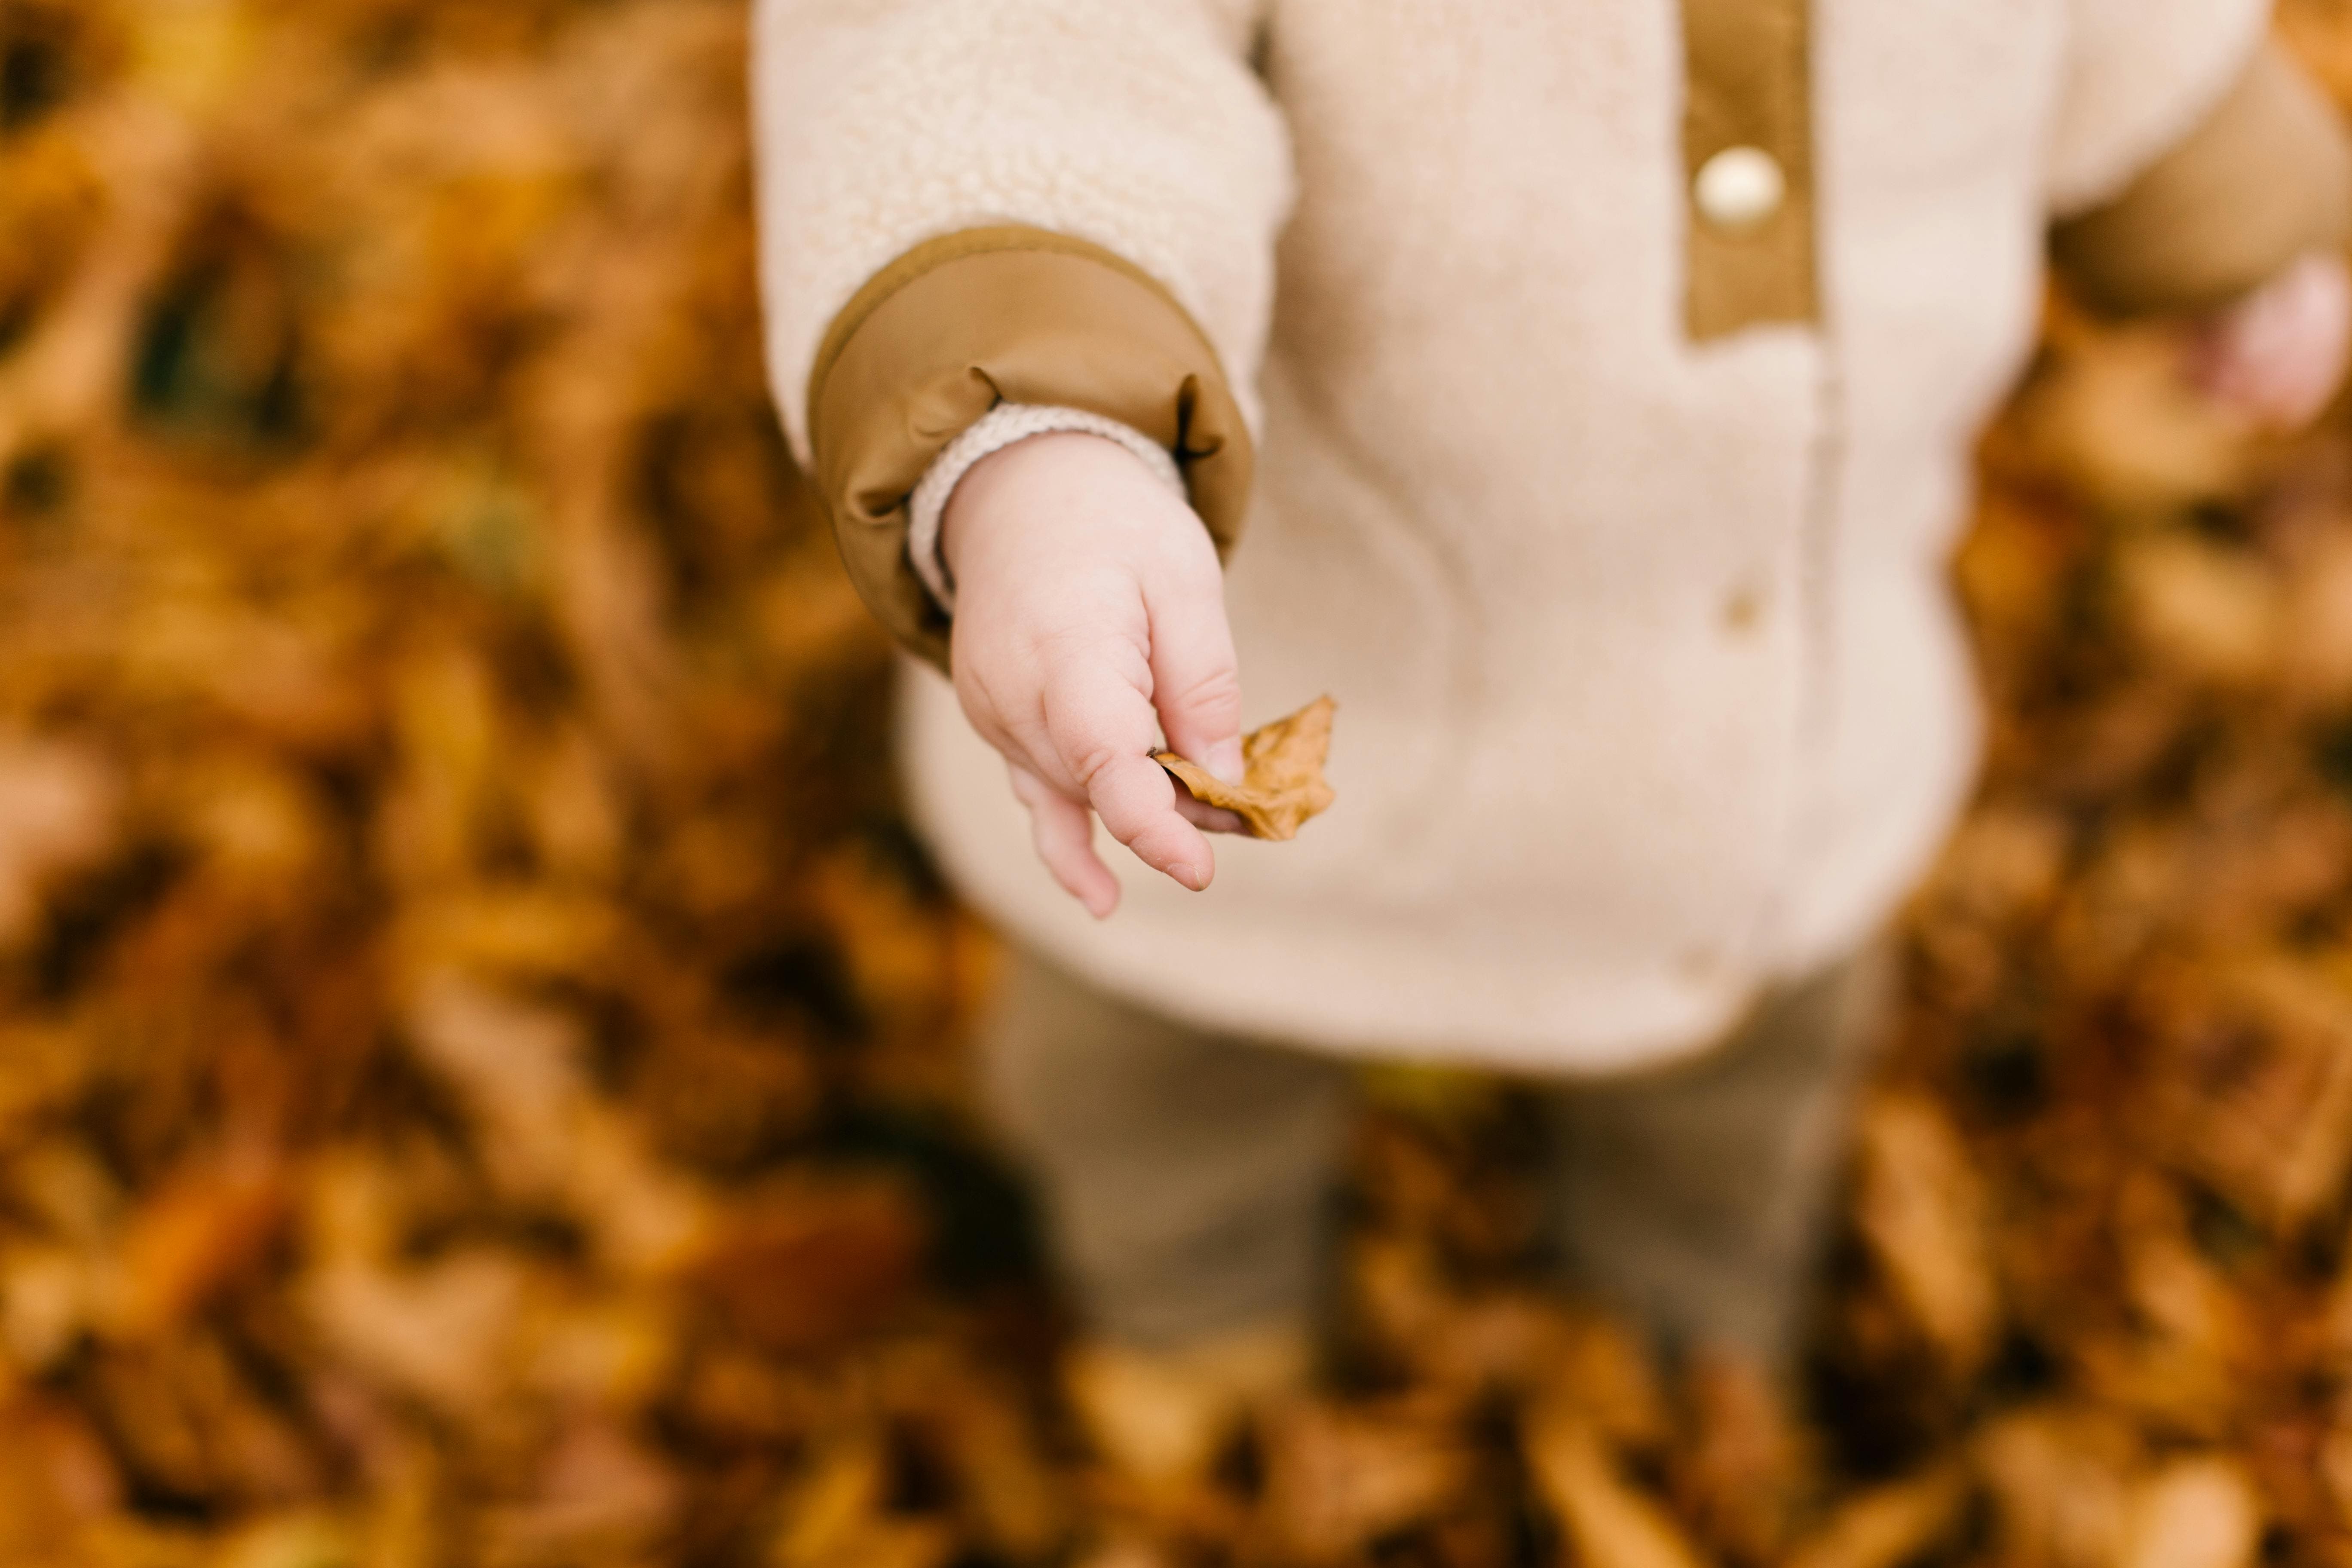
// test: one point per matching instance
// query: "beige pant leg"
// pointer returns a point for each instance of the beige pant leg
(1186, 1176)
(1696, 1198)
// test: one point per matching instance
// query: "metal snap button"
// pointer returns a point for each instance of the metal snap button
(1739, 187)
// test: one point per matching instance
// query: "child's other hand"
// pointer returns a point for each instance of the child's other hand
(1090, 619)
(2278, 355)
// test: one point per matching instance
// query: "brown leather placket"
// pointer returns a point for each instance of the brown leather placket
(1749, 84)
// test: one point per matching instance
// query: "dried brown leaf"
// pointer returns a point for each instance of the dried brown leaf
(599, 1497)
(1159, 1418)
(1612, 1524)
(1887, 1526)
(1282, 781)
(449, 1333)
(838, 1517)
(1740, 1476)
(2060, 1481)
(1338, 1478)
(806, 1265)
(2198, 1512)
(196, 1236)
(1920, 1206)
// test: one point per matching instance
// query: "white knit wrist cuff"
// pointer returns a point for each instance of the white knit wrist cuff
(999, 428)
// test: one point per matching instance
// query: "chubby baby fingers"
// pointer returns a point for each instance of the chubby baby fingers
(1136, 802)
(1063, 830)
(1195, 684)
(2279, 354)
(1102, 729)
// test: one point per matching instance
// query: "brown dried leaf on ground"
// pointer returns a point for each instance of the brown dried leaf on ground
(599, 1497)
(803, 1265)
(2059, 1482)
(480, 1060)
(839, 1516)
(1282, 781)
(1740, 1476)
(1889, 1526)
(196, 1235)
(2199, 1511)
(1613, 1524)
(1338, 1478)
(1920, 1206)
(57, 806)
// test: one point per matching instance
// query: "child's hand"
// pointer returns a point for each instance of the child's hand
(1090, 619)
(2278, 355)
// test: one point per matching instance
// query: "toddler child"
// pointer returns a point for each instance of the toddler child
(1598, 382)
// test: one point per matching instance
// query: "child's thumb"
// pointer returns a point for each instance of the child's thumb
(1197, 690)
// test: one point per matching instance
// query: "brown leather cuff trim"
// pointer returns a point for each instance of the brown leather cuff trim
(1004, 315)
(2265, 179)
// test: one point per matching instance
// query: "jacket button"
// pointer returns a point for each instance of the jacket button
(1739, 187)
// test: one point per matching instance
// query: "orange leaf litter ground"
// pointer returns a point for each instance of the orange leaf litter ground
(480, 1074)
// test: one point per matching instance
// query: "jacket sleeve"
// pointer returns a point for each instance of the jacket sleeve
(968, 202)
(2192, 159)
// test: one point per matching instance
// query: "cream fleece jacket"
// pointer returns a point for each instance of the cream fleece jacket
(1652, 688)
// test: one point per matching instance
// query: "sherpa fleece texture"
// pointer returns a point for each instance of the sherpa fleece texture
(1651, 687)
